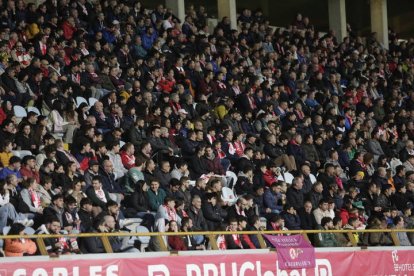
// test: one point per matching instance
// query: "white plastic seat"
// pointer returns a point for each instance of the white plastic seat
(233, 176)
(143, 239)
(92, 101)
(312, 178)
(80, 100)
(21, 153)
(6, 230)
(228, 195)
(19, 111)
(288, 177)
(121, 144)
(34, 109)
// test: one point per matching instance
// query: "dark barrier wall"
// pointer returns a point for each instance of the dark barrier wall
(282, 12)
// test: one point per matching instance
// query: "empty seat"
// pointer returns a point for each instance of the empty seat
(92, 101)
(34, 109)
(228, 195)
(80, 100)
(19, 111)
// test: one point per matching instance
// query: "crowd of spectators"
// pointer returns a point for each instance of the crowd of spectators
(318, 131)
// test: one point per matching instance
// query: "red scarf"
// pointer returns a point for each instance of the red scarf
(221, 154)
(35, 198)
(239, 147)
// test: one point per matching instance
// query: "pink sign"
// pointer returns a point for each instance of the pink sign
(293, 251)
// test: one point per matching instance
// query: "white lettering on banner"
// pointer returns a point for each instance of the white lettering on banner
(323, 268)
(20, 272)
(39, 272)
(111, 270)
(246, 266)
(159, 270)
(60, 271)
(400, 267)
(210, 268)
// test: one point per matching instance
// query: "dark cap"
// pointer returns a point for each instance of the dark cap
(93, 163)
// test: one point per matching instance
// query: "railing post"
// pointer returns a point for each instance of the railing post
(395, 238)
(262, 242)
(41, 245)
(161, 242)
(213, 241)
(106, 244)
(351, 238)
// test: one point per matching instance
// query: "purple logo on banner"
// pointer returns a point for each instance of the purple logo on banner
(293, 251)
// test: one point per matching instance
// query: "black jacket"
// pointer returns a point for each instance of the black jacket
(199, 222)
(213, 216)
(294, 198)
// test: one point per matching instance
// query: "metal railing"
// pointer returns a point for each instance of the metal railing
(212, 235)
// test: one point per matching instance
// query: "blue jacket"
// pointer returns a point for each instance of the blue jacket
(292, 222)
(271, 199)
(6, 171)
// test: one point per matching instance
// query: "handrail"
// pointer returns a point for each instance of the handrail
(212, 235)
(204, 233)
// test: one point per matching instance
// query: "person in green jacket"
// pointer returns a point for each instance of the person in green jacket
(156, 195)
(327, 239)
(133, 175)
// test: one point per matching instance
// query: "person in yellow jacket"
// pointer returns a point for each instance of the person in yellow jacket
(6, 153)
(222, 109)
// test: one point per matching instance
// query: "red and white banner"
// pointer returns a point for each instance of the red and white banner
(387, 262)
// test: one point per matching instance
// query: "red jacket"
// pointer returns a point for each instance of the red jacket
(127, 160)
(28, 173)
(68, 30)
(177, 243)
(166, 85)
(269, 177)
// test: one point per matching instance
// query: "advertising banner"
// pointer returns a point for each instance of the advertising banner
(367, 263)
(293, 251)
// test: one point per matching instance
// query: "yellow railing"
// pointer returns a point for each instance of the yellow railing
(212, 235)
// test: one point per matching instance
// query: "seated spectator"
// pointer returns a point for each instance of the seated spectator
(18, 247)
(167, 211)
(233, 241)
(163, 174)
(402, 236)
(109, 184)
(56, 246)
(175, 242)
(127, 155)
(292, 220)
(98, 195)
(95, 244)
(6, 152)
(29, 168)
(322, 211)
(156, 195)
(213, 214)
(307, 219)
(13, 168)
(119, 169)
(327, 239)
(85, 215)
(273, 198)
